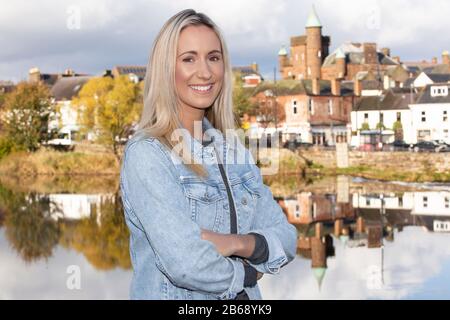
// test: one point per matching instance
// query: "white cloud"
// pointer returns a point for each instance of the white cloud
(117, 32)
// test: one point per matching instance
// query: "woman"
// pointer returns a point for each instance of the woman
(203, 225)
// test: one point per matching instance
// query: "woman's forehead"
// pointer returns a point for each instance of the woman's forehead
(199, 39)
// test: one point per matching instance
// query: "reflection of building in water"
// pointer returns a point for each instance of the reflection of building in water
(365, 220)
(77, 206)
(317, 246)
(430, 209)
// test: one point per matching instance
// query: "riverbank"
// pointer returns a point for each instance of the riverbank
(55, 163)
(308, 165)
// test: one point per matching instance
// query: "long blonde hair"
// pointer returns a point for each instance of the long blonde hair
(160, 115)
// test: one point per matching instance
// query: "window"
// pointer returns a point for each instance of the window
(400, 201)
(399, 116)
(447, 202)
(367, 201)
(311, 106)
(330, 106)
(297, 211)
(425, 202)
(444, 116)
(424, 118)
(294, 107)
(441, 91)
(445, 133)
(381, 117)
(423, 135)
(366, 117)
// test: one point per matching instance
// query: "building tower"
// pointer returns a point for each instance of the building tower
(341, 67)
(283, 59)
(313, 46)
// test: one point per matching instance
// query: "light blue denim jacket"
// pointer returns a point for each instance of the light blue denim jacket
(166, 205)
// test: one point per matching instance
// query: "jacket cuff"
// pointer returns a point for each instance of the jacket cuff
(277, 257)
(237, 284)
(261, 252)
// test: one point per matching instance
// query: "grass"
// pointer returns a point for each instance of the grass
(51, 163)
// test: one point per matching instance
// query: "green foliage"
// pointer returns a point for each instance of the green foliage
(381, 126)
(365, 126)
(241, 97)
(25, 115)
(397, 126)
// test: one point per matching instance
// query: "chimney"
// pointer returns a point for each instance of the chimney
(370, 52)
(445, 58)
(68, 73)
(434, 60)
(357, 87)
(254, 66)
(34, 75)
(335, 87)
(386, 51)
(315, 86)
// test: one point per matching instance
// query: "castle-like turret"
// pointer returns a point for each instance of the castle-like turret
(313, 46)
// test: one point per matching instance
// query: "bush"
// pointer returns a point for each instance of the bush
(7, 145)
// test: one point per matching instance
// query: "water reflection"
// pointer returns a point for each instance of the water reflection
(355, 240)
(91, 224)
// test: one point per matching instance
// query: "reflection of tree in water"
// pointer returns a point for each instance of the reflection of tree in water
(29, 228)
(102, 238)
(33, 231)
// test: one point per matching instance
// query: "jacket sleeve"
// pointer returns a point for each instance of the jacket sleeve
(153, 194)
(271, 222)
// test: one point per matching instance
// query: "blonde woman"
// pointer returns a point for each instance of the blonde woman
(202, 223)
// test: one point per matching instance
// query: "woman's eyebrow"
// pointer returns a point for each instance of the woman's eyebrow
(195, 52)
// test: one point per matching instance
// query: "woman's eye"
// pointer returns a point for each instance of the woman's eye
(188, 59)
(215, 58)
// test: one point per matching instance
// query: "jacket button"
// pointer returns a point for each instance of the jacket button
(244, 201)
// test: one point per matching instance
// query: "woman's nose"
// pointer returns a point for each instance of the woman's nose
(204, 71)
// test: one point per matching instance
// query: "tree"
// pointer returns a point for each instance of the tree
(25, 115)
(398, 131)
(108, 107)
(365, 126)
(241, 97)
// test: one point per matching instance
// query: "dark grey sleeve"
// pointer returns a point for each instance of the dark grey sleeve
(261, 252)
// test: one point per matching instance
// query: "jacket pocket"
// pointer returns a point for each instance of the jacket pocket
(247, 192)
(205, 201)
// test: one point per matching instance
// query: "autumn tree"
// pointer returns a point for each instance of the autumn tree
(25, 115)
(241, 97)
(108, 107)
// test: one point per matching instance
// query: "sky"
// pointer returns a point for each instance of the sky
(92, 36)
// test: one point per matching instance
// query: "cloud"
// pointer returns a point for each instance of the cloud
(41, 33)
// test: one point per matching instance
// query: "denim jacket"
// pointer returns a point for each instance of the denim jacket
(166, 205)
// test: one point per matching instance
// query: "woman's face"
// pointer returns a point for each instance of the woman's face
(199, 68)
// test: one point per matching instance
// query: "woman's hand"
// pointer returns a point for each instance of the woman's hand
(241, 245)
(225, 243)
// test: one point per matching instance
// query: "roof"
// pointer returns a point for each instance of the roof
(390, 101)
(68, 87)
(246, 71)
(282, 51)
(302, 87)
(439, 77)
(425, 95)
(354, 53)
(137, 70)
(313, 20)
